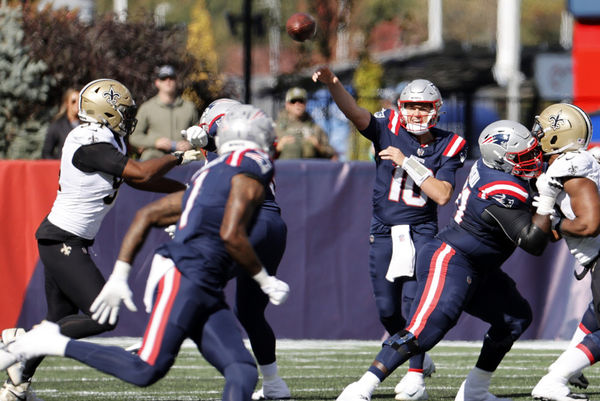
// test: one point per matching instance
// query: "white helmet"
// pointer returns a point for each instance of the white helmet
(509, 146)
(212, 114)
(108, 102)
(245, 127)
(420, 91)
(562, 127)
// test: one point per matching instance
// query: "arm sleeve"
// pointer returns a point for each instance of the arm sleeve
(517, 225)
(102, 157)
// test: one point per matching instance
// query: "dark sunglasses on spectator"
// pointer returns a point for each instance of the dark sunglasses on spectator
(297, 100)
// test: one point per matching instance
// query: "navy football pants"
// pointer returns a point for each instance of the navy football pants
(181, 310)
(448, 285)
(268, 238)
(394, 300)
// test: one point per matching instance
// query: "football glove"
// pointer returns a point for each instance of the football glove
(106, 305)
(196, 136)
(548, 188)
(171, 230)
(276, 289)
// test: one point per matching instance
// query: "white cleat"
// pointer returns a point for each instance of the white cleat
(22, 392)
(14, 371)
(354, 392)
(42, 339)
(468, 394)
(549, 388)
(411, 388)
(428, 366)
(274, 389)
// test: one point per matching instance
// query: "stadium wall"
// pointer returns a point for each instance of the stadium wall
(327, 207)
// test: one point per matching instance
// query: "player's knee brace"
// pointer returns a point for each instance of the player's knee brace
(404, 342)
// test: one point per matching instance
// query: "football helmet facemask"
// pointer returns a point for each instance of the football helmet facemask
(562, 127)
(509, 146)
(211, 116)
(108, 102)
(245, 127)
(420, 91)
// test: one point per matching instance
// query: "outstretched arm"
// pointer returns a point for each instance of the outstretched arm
(245, 196)
(159, 213)
(359, 116)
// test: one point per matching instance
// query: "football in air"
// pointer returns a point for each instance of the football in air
(301, 26)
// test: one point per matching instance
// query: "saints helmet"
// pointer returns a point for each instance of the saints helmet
(108, 102)
(420, 91)
(245, 127)
(211, 116)
(509, 146)
(562, 127)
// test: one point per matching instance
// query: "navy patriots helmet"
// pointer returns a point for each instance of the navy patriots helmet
(211, 117)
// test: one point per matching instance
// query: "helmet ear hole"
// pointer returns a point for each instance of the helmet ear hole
(553, 140)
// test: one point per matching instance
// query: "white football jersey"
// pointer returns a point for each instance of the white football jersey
(577, 164)
(83, 199)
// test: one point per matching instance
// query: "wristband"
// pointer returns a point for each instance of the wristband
(261, 277)
(179, 156)
(416, 170)
(545, 205)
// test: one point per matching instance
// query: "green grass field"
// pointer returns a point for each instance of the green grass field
(314, 370)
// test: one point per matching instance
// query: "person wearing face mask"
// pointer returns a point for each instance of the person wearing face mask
(415, 172)
(65, 120)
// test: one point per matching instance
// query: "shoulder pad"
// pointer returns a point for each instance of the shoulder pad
(572, 164)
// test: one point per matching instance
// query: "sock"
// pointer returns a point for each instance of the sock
(369, 382)
(479, 380)
(269, 371)
(570, 361)
(577, 336)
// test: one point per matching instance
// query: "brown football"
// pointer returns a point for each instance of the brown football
(301, 26)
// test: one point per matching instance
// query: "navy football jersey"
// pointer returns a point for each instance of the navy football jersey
(270, 203)
(396, 198)
(482, 240)
(197, 249)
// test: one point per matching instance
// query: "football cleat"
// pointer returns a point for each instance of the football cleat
(274, 389)
(551, 389)
(42, 339)
(411, 388)
(579, 381)
(468, 394)
(14, 371)
(22, 392)
(354, 392)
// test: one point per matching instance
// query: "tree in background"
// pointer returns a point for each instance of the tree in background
(206, 79)
(367, 81)
(24, 89)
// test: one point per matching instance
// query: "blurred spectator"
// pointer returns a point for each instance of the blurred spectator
(162, 118)
(298, 136)
(65, 120)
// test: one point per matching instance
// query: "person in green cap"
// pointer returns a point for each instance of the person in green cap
(298, 136)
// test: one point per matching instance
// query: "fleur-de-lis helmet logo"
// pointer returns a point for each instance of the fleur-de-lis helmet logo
(556, 121)
(111, 96)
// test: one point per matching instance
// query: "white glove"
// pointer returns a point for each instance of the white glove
(276, 289)
(115, 290)
(548, 188)
(171, 230)
(196, 136)
(188, 156)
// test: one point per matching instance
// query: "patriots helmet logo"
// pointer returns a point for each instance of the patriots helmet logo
(498, 139)
(111, 96)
